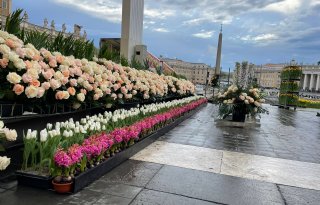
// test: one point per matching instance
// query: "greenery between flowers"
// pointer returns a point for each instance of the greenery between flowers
(291, 72)
(289, 86)
(40, 147)
(288, 99)
(236, 97)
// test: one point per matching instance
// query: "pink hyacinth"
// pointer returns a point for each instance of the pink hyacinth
(75, 153)
(62, 159)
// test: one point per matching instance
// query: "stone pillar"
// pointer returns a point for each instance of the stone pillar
(318, 83)
(311, 82)
(305, 81)
(132, 26)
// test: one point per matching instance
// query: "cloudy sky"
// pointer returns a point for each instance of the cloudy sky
(259, 31)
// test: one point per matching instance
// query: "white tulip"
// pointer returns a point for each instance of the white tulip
(43, 135)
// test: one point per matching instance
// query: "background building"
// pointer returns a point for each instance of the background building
(5, 7)
(51, 29)
(268, 75)
(197, 73)
(310, 80)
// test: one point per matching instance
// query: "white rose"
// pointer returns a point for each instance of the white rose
(1, 124)
(246, 102)
(31, 91)
(13, 78)
(81, 97)
(11, 135)
(4, 162)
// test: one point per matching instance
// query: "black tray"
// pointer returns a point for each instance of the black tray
(89, 176)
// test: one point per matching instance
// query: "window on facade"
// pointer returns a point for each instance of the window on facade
(4, 4)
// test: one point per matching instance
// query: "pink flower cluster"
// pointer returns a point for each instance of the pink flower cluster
(98, 144)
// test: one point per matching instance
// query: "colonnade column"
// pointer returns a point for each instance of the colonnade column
(305, 81)
(311, 82)
(318, 83)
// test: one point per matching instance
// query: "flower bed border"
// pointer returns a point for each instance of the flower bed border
(86, 178)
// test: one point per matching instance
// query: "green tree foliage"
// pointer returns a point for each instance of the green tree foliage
(136, 64)
(13, 23)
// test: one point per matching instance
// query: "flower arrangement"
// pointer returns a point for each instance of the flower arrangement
(9, 135)
(73, 160)
(309, 103)
(42, 77)
(290, 86)
(291, 72)
(235, 98)
(288, 99)
(120, 124)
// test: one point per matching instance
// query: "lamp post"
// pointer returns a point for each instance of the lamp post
(205, 91)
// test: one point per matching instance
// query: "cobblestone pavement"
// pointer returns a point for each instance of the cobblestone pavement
(199, 163)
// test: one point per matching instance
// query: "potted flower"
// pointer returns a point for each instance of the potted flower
(64, 166)
(239, 102)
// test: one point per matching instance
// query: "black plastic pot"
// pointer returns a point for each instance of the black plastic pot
(239, 113)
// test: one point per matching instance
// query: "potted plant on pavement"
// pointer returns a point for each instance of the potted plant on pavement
(239, 102)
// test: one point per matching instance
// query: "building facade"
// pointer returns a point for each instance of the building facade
(5, 7)
(197, 73)
(310, 80)
(269, 76)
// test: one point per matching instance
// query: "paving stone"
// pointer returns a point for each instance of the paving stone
(214, 187)
(112, 200)
(131, 172)
(85, 196)
(2, 190)
(282, 134)
(300, 196)
(151, 197)
(115, 189)
(30, 196)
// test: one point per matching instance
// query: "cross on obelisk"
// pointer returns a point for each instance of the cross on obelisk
(218, 59)
(132, 27)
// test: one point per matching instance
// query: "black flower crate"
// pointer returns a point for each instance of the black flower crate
(92, 174)
(33, 180)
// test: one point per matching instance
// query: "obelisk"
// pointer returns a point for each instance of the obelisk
(218, 59)
(131, 27)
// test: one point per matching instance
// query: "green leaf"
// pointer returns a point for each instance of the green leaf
(2, 149)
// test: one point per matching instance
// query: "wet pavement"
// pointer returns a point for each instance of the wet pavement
(284, 136)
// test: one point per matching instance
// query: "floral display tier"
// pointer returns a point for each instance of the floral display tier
(90, 175)
(289, 88)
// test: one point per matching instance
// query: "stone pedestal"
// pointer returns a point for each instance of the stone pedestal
(249, 122)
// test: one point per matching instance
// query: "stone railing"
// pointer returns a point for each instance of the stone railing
(47, 29)
(155, 62)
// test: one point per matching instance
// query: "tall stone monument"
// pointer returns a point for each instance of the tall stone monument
(218, 59)
(132, 30)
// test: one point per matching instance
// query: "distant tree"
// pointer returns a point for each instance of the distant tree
(318, 62)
